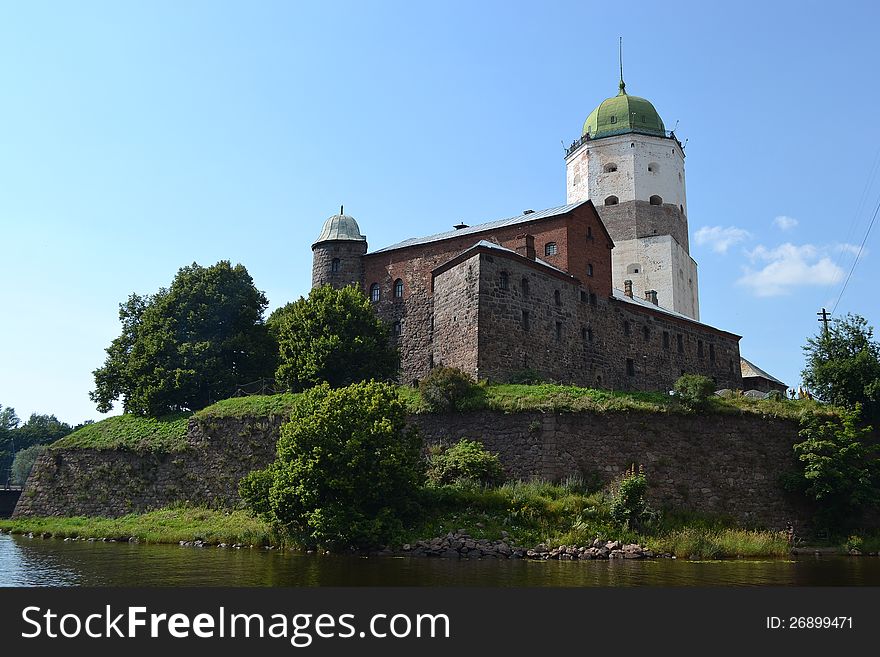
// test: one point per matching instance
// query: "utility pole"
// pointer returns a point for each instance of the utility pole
(823, 317)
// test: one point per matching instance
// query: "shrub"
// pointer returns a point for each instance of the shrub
(447, 389)
(629, 507)
(694, 390)
(348, 469)
(467, 460)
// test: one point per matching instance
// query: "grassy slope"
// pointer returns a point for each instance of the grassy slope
(131, 432)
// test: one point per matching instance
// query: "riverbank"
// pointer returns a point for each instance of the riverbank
(536, 516)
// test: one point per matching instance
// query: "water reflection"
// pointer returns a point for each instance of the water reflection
(37, 562)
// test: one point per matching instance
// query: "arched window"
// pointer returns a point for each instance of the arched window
(525, 287)
(655, 200)
(504, 280)
(611, 200)
(613, 119)
(610, 168)
(681, 208)
(634, 268)
(557, 297)
(334, 266)
(398, 289)
(653, 167)
(375, 293)
(550, 249)
(589, 269)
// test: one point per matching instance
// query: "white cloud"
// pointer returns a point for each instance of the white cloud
(785, 223)
(852, 249)
(720, 239)
(788, 266)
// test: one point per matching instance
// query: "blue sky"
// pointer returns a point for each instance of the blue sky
(136, 138)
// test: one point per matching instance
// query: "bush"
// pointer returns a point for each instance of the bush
(447, 389)
(467, 460)
(348, 469)
(694, 390)
(840, 467)
(629, 507)
(24, 463)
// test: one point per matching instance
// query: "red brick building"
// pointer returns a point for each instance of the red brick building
(531, 292)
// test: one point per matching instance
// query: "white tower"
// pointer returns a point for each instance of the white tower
(633, 171)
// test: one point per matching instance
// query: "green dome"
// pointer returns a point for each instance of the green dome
(624, 113)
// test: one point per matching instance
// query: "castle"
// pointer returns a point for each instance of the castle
(600, 292)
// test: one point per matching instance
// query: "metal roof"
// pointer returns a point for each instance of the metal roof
(340, 227)
(500, 223)
(750, 369)
(492, 245)
(620, 296)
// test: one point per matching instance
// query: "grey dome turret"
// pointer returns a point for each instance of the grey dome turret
(340, 227)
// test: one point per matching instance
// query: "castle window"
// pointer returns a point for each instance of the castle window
(666, 339)
(558, 331)
(589, 232)
(550, 249)
(712, 353)
(584, 333)
(431, 361)
(655, 200)
(699, 348)
(375, 293)
(680, 340)
(626, 328)
(611, 200)
(398, 289)
(633, 268)
(334, 266)
(525, 320)
(681, 208)
(730, 365)
(583, 296)
(610, 168)
(589, 334)
(557, 297)
(630, 367)
(613, 119)
(589, 269)
(593, 301)
(653, 167)
(504, 280)
(646, 333)
(525, 287)
(397, 328)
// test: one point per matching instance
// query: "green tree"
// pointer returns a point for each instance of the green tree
(187, 346)
(840, 465)
(348, 468)
(8, 422)
(843, 366)
(40, 430)
(694, 390)
(24, 463)
(333, 336)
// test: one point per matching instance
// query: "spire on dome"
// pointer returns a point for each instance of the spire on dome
(622, 86)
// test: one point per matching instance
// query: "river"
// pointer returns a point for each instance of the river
(52, 562)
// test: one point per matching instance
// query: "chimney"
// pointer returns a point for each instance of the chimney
(460, 225)
(651, 295)
(525, 246)
(628, 288)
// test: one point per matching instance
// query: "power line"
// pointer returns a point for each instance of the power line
(858, 255)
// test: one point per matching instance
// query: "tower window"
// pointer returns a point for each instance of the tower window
(666, 339)
(550, 249)
(397, 328)
(504, 280)
(584, 333)
(653, 167)
(589, 334)
(557, 297)
(525, 320)
(589, 269)
(630, 367)
(398, 289)
(589, 232)
(334, 266)
(613, 119)
(680, 340)
(584, 296)
(375, 293)
(681, 208)
(611, 200)
(558, 331)
(610, 168)
(646, 332)
(525, 287)
(633, 268)
(655, 200)
(712, 353)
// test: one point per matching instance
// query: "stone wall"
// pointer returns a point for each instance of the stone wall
(720, 463)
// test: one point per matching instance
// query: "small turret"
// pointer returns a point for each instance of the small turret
(337, 253)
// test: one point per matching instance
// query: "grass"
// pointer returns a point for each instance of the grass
(169, 525)
(132, 432)
(252, 406)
